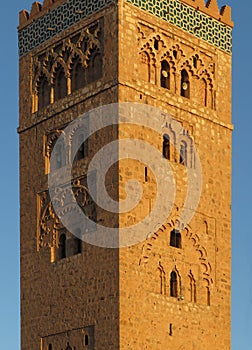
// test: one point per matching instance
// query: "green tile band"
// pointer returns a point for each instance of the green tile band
(59, 19)
(192, 21)
(172, 11)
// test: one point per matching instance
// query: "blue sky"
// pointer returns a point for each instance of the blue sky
(242, 174)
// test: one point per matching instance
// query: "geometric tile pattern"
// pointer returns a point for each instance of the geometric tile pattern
(55, 21)
(172, 11)
(190, 20)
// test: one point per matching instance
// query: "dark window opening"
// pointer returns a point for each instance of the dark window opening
(44, 92)
(165, 75)
(146, 174)
(170, 329)
(60, 156)
(86, 340)
(208, 297)
(166, 147)
(174, 285)
(78, 73)
(76, 245)
(94, 70)
(60, 88)
(50, 347)
(185, 84)
(195, 62)
(156, 44)
(175, 54)
(62, 246)
(175, 239)
(183, 153)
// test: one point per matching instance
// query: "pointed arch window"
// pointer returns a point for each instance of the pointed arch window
(77, 243)
(78, 75)
(44, 92)
(60, 84)
(183, 153)
(174, 284)
(165, 75)
(193, 298)
(94, 70)
(185, 84)
(86, 340)
(60, 156)
(204, 86)
(62, 246)
(82, 151)
(175, 239)
(166, 147)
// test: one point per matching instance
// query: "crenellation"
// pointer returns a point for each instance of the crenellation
(210, 8)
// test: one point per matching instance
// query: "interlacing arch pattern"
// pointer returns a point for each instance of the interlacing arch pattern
(151, 254)
(54, 69)
(169, 67)
(49, 224)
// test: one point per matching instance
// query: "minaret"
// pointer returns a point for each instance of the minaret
(173, 58)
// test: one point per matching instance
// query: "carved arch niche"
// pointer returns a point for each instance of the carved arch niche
(194, 279)
(50, 231)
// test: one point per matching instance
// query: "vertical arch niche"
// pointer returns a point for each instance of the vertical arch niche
(82, 151)
(60, 83)
(62, 245)
(192, 288)
(203, 93)
(59, 160)
(43, 92)
(174, 284)
(74, 244)
(94, 69)
(185, 84)
(165, 75)
(78, 75)
(183, 153)
(144, 66)
(166, 147)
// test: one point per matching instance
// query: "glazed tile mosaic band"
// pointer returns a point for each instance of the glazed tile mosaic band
(172, 11)
(54, 22)
(187, 18)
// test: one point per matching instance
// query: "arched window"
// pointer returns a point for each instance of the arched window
(192, 288)
(173, 285)
(204, 88)
(60, 156)
(166, 147)
(175, 239)
(78, 79)
(86, 340)
(208, 297)
(185, 84)
(62, 246)
(144, 69)
(50, 347)
(83, 149)
(94, 70)
(76, 245)
(60, 85)
(183, 153)
(165, 75)
(44, 92)
(68, 347)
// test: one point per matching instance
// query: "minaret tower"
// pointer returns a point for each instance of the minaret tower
(171, 290)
